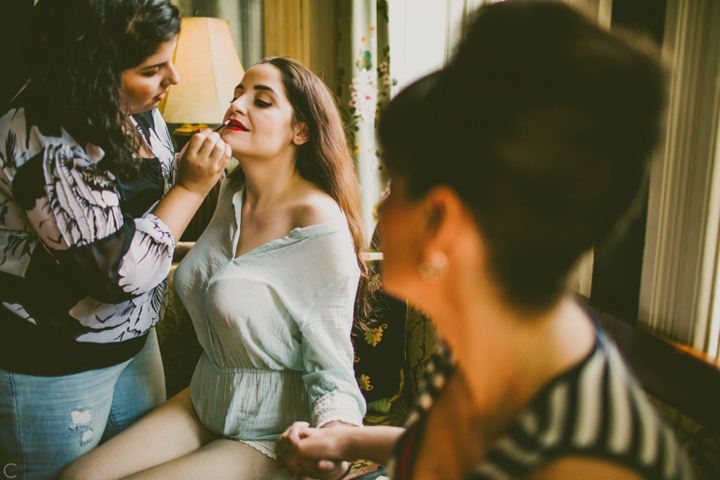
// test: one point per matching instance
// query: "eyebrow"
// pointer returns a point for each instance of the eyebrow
(257, 87)
(153, 66)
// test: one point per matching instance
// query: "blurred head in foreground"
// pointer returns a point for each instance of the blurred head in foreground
(542, 127)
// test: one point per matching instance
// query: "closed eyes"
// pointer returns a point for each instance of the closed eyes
(258, 102)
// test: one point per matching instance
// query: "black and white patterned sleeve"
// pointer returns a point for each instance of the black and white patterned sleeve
(75, 209)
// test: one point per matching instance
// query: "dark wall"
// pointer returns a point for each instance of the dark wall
(14, 38)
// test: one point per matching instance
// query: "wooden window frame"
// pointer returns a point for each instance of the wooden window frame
(679, 284)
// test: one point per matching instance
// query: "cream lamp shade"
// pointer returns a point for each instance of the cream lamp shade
(209, 69)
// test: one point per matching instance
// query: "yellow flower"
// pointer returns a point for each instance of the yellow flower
(374, 335)
(364, 383)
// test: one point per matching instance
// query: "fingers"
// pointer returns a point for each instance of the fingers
(282, 448)
(328, 465)
(288, 457)
(219, 155)
(324, 469)
(196, 141)
(202, 162)
(294, 431)
(228, 151)
(307, 451)
(207, 144)
(211, 139)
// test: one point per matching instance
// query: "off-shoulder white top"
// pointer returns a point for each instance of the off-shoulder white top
(274, 324)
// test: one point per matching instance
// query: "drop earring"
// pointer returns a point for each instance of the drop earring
(435, 269)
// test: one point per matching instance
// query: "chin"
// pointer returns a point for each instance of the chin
(236, 152)
(146, 108)
(238, 149)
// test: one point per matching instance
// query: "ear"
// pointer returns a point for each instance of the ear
(302, 134)
(449, 225)
(442, 210)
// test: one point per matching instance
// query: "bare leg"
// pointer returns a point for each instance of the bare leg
(220, 460)
(168, 432)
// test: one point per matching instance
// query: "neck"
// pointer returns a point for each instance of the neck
(268, 180)
(506, 355)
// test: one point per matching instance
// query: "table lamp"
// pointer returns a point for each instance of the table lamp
(209, 69)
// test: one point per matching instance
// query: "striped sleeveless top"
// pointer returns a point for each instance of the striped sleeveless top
(594, 409)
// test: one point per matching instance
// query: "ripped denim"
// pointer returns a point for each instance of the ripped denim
(47, 422)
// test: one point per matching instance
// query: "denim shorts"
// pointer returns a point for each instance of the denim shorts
(47, 422)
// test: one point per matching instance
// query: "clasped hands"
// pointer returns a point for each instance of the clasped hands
(307, 452)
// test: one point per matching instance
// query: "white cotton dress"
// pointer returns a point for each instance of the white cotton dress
(274, 324)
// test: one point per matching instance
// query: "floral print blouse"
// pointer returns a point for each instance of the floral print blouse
(83, 262)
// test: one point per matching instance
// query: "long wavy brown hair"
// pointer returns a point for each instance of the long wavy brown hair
(325, 159)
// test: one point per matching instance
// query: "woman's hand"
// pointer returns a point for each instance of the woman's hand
(200, 165)
(313, 452)
(202, 162)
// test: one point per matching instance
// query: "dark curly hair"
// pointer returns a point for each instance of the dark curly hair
(543, 124)
(79, 52)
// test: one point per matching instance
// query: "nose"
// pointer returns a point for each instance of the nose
(238, 105)
(235, 107)
(173, 77)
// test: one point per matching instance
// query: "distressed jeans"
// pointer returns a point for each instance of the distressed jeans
(47, 422)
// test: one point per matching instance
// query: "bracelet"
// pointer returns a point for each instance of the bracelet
(347, 472)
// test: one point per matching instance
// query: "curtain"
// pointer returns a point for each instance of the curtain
(305, 30)
(363, 88)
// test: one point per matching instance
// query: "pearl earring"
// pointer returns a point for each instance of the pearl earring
(435, 269)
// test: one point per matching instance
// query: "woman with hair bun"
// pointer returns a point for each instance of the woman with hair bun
(506, 166)
(92, 203)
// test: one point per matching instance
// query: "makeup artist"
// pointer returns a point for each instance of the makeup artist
(92, 202)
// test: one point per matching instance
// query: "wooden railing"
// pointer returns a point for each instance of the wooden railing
(676, 374)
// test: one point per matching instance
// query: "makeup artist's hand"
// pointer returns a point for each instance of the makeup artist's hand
(202, 162)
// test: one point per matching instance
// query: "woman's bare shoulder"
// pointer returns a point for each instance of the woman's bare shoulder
(315, 207)
(584, 467)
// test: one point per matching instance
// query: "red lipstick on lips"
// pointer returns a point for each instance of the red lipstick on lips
(233, 124)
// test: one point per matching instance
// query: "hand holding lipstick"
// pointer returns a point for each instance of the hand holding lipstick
(202, 161)
(200, 164)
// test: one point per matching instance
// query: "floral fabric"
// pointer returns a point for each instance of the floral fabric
(364, 89)
(380, 348)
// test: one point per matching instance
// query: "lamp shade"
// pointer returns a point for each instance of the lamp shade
(209, 70)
